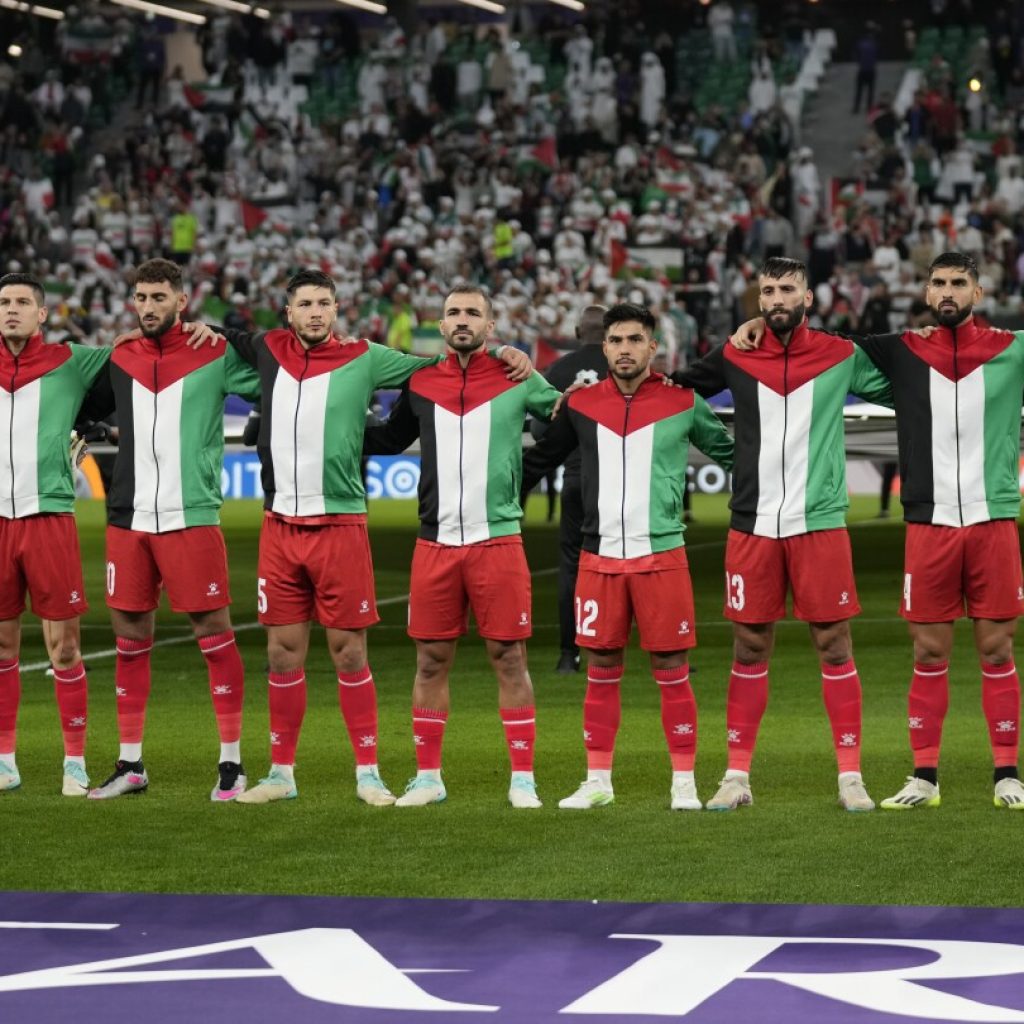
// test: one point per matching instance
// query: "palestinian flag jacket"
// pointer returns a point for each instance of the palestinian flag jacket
(958, 415)
(313, 413)
(470, 425)
(169, 400)
(41, 390)
(633, 450)
(789, 476)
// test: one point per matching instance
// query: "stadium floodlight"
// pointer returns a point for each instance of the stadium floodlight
(485, 5)
(14, 50)
(166, 12)
(573, 5)
(27, 8)
(365, 5)
(239, 7)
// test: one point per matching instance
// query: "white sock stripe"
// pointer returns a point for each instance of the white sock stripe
(131, 654)
(673, 682)
(442, 720)
(219, 647)
(518, 721)
(361, 682)
(10, 668)
(750, 675)
(842, 675)
(614, 682)
(940, 672)
(73, 679)
(283, 686)
(1000, 675)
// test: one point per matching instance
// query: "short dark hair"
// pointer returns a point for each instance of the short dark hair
(623, 312)
(781, 266)
(310, 278)
(28, 281)
(955, 261)
(472, 289)
(156, 271)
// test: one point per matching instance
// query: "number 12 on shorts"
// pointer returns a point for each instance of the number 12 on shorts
(586, 615)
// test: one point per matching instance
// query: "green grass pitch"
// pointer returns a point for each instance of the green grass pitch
(793, 845)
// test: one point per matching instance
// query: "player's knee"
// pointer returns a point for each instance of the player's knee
(996, 650)
(65, 653)
(433, 662)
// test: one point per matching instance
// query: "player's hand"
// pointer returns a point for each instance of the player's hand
(79, 449)
(519, 364)
(575, 386)
(200, 334)
(748, 336)
(132, 335)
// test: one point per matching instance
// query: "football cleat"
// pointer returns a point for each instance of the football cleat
(916, 793)
(128, 777)
(732, 793)
(276, 786)
(230, 783)
(522, 793)
(1009, 793)
(853, 796)
(9, 777)
(592, 793)
(76, 782)
(423, 790)
(371, 790)
(684, 796)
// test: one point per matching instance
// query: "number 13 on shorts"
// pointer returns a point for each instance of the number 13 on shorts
(734, 591)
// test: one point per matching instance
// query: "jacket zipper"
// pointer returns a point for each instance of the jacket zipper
(462, 426)
(785, 431)
(156, 409)
(956, 427)
(295, 435)
(625, 431)
(14, 377)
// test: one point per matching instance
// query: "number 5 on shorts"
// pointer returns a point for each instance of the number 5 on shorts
(586, 613)
(261, 595)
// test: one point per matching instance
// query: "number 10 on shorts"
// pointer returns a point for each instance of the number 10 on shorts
(586, 615)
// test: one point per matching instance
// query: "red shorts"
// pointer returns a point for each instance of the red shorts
(190, 564)
(946, 567)
(490, 577)
(40, 554)
(817, 566)
(653, 589)
(322, 572)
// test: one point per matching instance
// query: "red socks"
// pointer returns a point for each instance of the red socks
(520, 735)
(840, 688)
(678, 716)
(745, 707)
(287, 692)
(358, 699)
(1000, 700)
(926, 709)
(72, 692)
(10, 698)
(227, 682)
(602, 712)
(131, 683)
(428, 737)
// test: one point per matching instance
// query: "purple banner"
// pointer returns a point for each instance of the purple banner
(285, 960)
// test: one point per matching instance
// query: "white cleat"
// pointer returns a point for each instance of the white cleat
(9, 777)
(276, 786)
(371, 790)
(522, 794)
(592, 793)
(76, 782)
(423, 790)
(684, 796)
(1009, 793)
(853, 796)
(732, 793)
(916, 793)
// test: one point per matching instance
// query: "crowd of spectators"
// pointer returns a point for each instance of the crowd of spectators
(557, 163)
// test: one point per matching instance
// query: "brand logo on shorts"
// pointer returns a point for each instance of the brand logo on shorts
(524, 618)
(844, 597)
(684, 627)
(212, 589)
(364, 606)
(75, 597)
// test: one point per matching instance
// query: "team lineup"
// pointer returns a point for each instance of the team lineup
(956, 392)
